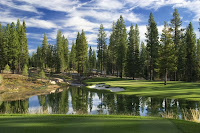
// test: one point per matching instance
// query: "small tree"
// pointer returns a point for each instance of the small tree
(1, 79)
(25, 70)
(6, 69)
(42, 74)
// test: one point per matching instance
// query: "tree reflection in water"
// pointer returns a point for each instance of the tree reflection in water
(75, 100)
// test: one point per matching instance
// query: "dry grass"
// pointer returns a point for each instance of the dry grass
(188, 115)
(169, 114)
(191, 115)
(18, 87)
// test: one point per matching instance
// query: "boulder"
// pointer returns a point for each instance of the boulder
(58, 80)
(52, 82)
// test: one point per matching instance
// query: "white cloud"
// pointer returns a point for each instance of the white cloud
(109, 4)
(143, 30)
(35, 36)
(92, 39)
(32, 50)
(191, 6)
(55, 5)
(45, 24)
(7, 17)
(28, 8)
(88, 15)
(78, 23)
(151, 4)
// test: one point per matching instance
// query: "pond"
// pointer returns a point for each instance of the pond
(76, 100)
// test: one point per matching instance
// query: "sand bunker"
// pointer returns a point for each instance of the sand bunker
(106, 87)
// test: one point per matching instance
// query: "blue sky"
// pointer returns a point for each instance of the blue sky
(71, 16)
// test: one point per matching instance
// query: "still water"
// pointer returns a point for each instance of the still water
(74, 100)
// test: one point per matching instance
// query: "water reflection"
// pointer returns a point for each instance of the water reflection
(83, 101)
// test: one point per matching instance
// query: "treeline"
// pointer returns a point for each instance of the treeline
(51, 56)
(13, 47)
(175, 55)
(59, 59)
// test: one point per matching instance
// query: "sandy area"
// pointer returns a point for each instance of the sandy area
(106, 87)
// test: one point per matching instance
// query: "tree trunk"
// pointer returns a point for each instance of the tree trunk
(101, 67)
(150, 74)
(166, 77)
(175, 76)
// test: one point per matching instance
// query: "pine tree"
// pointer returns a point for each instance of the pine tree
(81, 52)
(133, 62)
(198, 58)
(93, 59)
(101, 48)
(121, 42)
(42, 74)
(39, 61)
(73, 57)
(152, 45)
(24, 46)
(14, 47)
(175, 27)
(191, 64)
(44, 50)
(181, 61)
(130, 53)
(50, 62)
(1, 49)
(143, 61)
(60, 63)
(167, 60)
(90, 59)
(6, 69)
(18, 29)
(66, 53)
(136, 51)
(25, 70)
(85, 50)
(112, 51)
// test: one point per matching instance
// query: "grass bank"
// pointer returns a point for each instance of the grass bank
(93, 124)
(174, 89)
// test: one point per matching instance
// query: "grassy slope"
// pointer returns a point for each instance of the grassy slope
(174, 89)
(92, 124)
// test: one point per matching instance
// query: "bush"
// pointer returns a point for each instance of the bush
(42, 74)
(1, 79)
(25, 70)
(6, 69)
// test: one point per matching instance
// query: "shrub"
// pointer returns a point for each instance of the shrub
(25, 70)
(1, 79)
(42, 74)
(6, 69)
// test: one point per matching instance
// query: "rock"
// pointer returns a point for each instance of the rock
(53, 91)
(58, 80)
(52, 82)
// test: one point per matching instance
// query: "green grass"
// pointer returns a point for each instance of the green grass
(92, 124)
(174, 89)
